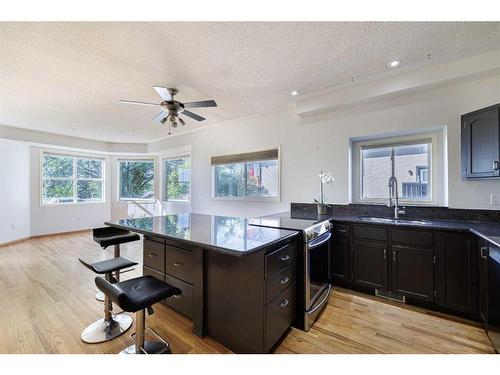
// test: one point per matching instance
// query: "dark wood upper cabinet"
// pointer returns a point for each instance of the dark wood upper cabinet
(457, 272)
(370, 264)
(481, 143)
(413, 272)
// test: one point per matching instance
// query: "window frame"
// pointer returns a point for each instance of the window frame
(118, 180)
(74, 178)
(433, 173)
(164, 177)
(276, 199)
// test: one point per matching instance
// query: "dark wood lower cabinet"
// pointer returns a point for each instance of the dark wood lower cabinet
(340, 258)
(370, 264)
(457, 272)
(413, 272)
(483, 249)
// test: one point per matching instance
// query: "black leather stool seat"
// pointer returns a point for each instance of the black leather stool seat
(108, 236)
(110, 265)
(136, 294)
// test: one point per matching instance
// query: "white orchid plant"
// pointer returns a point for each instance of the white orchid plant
(325, 179)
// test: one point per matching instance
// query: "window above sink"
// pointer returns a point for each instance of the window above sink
(416, 160)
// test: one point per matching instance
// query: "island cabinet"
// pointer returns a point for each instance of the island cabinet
(457, 272)
(481, 143)
(169, 262)
(251, 301)
(246, 303)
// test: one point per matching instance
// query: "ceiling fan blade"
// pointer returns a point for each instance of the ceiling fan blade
(163, 92)
(138, 103)
(202, 103)
(194, 116)
(160, 116)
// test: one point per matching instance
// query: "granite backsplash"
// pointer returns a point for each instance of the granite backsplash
(412, 212)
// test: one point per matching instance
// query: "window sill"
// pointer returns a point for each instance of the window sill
(71, 204)
(247, 199)
(136, 201)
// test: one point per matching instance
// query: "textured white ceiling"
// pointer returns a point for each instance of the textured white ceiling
(67, 78)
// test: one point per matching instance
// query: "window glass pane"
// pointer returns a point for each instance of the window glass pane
(177, 174)
(376, 170)
(230, 180)
(136, 180)
(88, 191)
(57, 166)
(57, 191)
(262, 178)
(88, 168)
(411, 168)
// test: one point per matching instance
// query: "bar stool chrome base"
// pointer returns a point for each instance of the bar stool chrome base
(103, 330)
(100, 296)
(150, 347)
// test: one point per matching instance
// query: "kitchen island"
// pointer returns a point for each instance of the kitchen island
(230, 274)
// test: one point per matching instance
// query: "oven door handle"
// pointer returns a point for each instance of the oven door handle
(319, 241)
(323, 301)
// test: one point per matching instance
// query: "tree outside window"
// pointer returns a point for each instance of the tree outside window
(177, 179)
(136, 180)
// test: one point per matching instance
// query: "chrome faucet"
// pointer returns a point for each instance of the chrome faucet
(393, 194)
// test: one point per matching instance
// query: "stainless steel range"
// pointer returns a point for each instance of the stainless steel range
(314, 260)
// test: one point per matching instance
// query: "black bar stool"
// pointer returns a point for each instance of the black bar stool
(137, 295)
(109, 236)
(112, 325)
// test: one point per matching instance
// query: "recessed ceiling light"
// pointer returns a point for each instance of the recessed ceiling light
(294, 93)
(394, 63)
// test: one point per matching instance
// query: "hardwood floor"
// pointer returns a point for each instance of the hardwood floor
(47, 299)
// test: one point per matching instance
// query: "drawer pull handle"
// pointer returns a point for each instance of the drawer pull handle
(484, 252)
(285, 257)
(152, 255)
(178, 264)
(342, 230)
(177, 296)
(284, 303)
(284, 280)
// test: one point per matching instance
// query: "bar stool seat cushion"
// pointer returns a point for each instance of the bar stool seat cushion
(109, 265)
(138, 293)
(108, 236)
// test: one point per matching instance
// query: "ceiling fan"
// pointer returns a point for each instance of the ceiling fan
(171, 108)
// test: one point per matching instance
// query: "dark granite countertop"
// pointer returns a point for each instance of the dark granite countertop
(224, 234)
(485, 230)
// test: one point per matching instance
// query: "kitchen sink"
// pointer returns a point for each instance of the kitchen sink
(374, 219)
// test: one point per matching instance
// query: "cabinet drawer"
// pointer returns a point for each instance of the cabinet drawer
(179, 263)
(370, 232)
(183, 303)
(279, 259)
(340, 229)
(420, 238)
(154, 255)
(280, 282)
(146, 271)
(280, 314)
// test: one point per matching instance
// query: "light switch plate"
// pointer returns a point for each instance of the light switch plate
(494, 199)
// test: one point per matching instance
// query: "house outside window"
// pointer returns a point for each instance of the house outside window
(411, 159)
(247, 176)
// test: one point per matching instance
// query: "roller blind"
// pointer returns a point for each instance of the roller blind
(244, 157)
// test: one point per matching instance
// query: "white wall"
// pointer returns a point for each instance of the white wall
(64, 218)
(322, 143)
(14, 191)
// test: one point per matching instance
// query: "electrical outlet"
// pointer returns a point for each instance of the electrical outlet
(494, 199)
